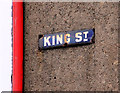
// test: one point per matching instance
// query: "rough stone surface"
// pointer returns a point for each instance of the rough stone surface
(84, 68)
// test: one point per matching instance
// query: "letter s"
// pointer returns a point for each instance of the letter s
(78, 37)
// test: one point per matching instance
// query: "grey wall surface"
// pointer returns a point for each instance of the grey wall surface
(83, 68)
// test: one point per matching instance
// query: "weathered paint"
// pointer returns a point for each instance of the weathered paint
(66, 39)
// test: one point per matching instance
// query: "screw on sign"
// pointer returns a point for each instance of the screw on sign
(68, 38)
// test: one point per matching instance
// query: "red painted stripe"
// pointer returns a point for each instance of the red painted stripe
(17, 78)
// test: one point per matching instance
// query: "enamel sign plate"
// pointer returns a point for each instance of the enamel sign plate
(64, 39)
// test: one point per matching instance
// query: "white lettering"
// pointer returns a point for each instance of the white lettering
(46, 41)
(53, 40)
(78, 37)
(67, 38)
(85, 36)
(59, 39)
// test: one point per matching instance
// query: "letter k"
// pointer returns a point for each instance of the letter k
(46, 41)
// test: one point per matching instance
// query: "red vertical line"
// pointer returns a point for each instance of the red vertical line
(17, 78)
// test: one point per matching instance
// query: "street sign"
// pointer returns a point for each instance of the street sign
(68, 38)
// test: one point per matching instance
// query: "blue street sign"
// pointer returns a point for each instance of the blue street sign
(68, 38)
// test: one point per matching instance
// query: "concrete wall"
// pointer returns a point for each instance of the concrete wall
(84, 68)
